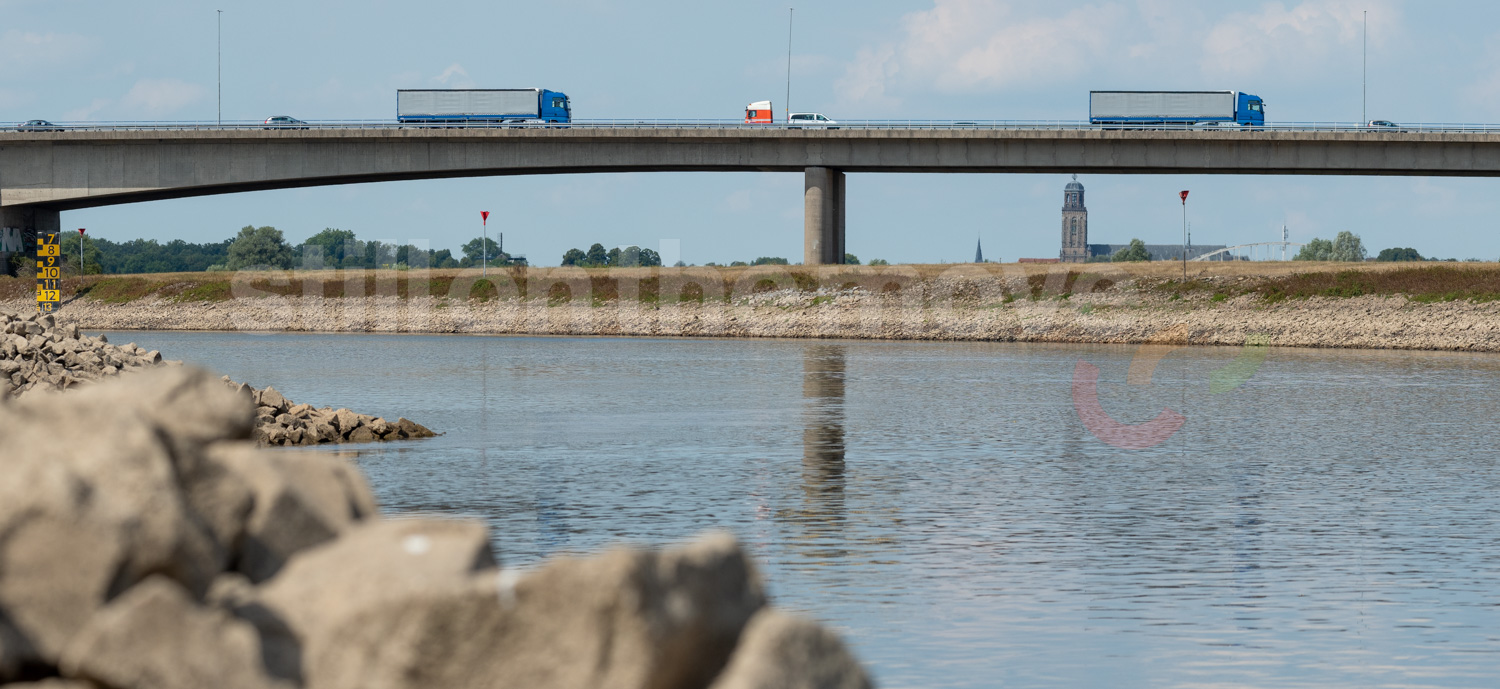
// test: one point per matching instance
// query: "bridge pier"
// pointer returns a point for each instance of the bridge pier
(18, 229)
(823, 217)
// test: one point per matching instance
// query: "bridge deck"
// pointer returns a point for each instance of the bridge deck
(76, 169)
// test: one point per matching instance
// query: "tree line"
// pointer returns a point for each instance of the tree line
(1344, 247)
(264, 248)
(140, 255)
(618, 257)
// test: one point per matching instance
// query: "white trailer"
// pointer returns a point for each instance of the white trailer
(481, 105)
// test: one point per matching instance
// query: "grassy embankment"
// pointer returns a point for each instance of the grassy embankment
(1273, 282)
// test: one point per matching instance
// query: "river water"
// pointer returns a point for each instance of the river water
(1320, 518)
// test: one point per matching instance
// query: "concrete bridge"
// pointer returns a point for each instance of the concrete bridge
(43, 173)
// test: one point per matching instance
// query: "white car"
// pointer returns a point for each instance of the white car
(810, 120)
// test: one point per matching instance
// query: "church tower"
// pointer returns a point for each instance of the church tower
(1075, 224)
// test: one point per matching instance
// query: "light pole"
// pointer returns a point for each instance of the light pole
(789, 14)
(221, 67)
(1364, 72)
(1184, 195)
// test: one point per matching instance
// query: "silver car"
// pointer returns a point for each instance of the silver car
(285, 122)
(38, 126)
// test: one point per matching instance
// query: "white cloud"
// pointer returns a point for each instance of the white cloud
(86, 112)
(969, 46)
(866, 78)
(156, 97)
(962, 45)
(1484, 91)
(28, 52)
(1299, 38)
(455, 77)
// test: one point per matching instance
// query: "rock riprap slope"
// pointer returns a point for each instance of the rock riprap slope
(155, 548)
(280, 421)
(36, 353)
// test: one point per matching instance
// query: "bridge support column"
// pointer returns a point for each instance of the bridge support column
(19, 226)
(823, 217)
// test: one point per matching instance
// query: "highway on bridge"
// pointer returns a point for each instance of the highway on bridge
(45, 172)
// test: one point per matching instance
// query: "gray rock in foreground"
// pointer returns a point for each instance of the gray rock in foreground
(86, 512)
(153, 547)
(155, 637)
(781, 651)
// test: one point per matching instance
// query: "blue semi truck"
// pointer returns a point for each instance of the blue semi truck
(482, 106)
(1181, 108)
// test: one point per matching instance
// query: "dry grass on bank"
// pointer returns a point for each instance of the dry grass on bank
(1273, 281)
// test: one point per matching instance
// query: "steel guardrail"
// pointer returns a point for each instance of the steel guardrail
(643, 123)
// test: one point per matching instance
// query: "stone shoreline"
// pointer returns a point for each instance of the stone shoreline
(40, 353)
(1115, 316)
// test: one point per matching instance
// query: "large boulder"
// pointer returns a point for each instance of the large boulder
(304, 609)
(298, 501)
(86, 515)
(155, 637)
(781, 651)
(631, 618)
(627, 619)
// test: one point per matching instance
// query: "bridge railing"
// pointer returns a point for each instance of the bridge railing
(649, 123)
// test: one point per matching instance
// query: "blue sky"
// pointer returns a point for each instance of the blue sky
(1435, 61)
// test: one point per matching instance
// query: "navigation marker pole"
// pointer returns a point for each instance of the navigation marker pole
(80, 258)
(484, 244)
(1184, 195)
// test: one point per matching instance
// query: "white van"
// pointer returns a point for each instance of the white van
(810, 120)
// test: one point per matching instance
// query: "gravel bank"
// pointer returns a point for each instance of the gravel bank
(971, 312)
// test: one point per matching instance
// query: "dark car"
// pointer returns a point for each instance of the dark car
(284, 122)
(38, 126)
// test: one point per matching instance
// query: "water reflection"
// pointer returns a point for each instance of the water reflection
(823, 435)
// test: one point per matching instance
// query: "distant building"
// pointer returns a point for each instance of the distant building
(1075, 236)
(978, 252)
(1075, 224)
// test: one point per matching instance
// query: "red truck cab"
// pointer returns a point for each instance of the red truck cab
(759, 112)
